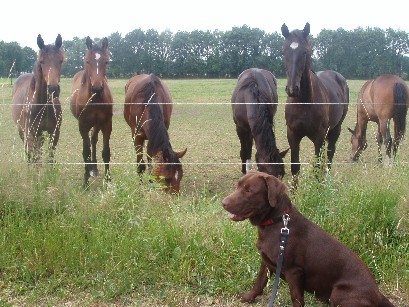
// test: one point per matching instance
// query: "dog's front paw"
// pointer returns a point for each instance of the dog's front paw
(248, 297)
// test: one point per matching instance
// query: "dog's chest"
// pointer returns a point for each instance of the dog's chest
(268, 247)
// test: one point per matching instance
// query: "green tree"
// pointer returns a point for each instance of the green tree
(74, 53)
(398, 46)
(15, 60)
(117, 56)
(134, 44)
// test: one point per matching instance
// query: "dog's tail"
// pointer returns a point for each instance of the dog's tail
(385, 302)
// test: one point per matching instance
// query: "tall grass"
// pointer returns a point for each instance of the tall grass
(126, 243)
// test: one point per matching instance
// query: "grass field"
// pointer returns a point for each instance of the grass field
(128, 244)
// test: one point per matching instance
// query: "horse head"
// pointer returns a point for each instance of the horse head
(95, 63)
(168, 169)
(358, 143)
(274, 163)
(297, 54)
(49, 64)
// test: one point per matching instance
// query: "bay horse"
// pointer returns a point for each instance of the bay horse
(317, 103)
(254, 104)
(381, 99)
(147, 111)
(92, 105)
(36, 108)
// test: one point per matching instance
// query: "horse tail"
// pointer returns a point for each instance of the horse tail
(400, 94)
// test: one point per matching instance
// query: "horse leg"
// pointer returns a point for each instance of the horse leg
(94, 140)
(53, 138)
(333, 136)
(246, 143)
(379, 143)
(398, 136)
(294, 142)
(386, 135)
(86, 154)
(106, 150)
(138, 145)
(319, 144)
(37, 147)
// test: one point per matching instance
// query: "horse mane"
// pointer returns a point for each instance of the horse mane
(153, 92)
(37, 94)
(263, 123)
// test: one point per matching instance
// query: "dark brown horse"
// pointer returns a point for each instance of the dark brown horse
(36, 105)
(317, 103)
(254, 104)
(147, 110)
(381, 99)
(92, 105)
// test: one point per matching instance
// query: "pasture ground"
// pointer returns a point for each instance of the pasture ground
(125, 243)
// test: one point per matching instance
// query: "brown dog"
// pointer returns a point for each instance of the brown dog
(314, 261)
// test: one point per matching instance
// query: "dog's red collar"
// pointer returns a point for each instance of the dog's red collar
(274, 220)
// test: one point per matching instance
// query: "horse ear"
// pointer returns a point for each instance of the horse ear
(180, 154)
(58, 41)
(40, 41)
(283, 153)
(306, 30)
(275, 188)
(105, 43)
(88, 42)
(284, 30)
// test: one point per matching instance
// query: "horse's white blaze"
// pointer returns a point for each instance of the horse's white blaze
(294, 45)
(176, 175)
(97, 57)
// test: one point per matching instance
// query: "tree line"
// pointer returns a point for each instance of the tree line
(357, 54)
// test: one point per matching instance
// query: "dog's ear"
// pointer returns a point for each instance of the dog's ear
(275, 189)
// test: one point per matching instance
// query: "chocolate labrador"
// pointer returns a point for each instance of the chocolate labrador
(314, 261)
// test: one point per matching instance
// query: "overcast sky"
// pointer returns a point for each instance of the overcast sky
(23, 20)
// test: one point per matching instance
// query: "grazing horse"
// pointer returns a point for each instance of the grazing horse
(254, 103)
(381, 99)
(92, 105)
(147, 110)
(36, 106)
(317, 103)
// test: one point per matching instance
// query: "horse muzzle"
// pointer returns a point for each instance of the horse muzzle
(97, 90)
(292, 91)
(54, 90)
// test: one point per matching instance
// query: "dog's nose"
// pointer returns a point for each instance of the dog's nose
(225, 202)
